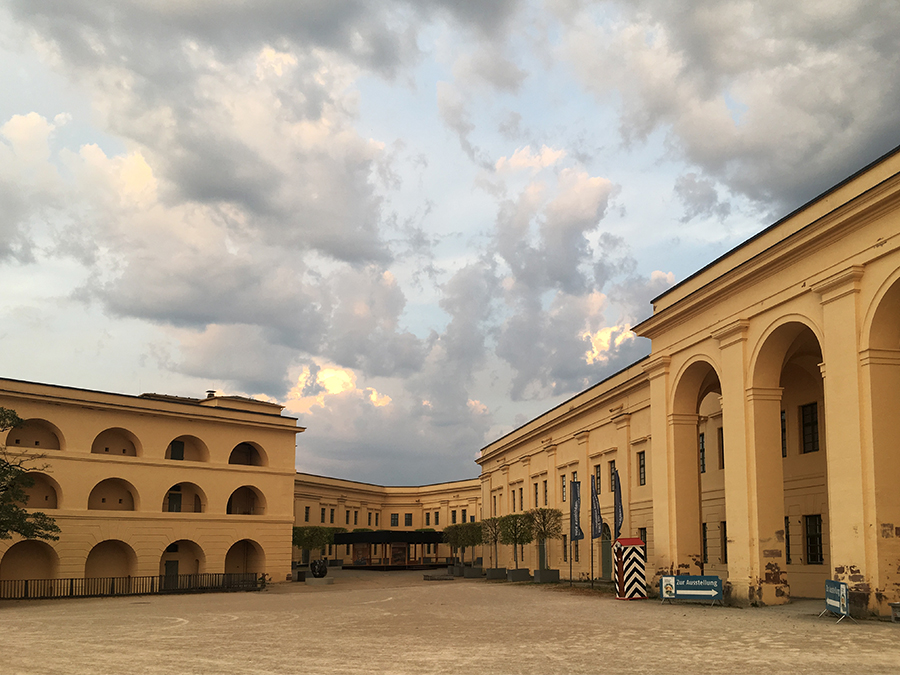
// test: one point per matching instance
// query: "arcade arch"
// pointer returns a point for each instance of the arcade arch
(44, 493)
(248, 454)
(246, 501)
(184, 498)
(245, 557)
(29, 559)
(187, 448)
(788, 413)
(35, 434)
(113, 494)
(110, 558)
(182, 557)
(118, 442)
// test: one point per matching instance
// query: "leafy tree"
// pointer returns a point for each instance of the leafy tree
(14, 483)
(453, 536)
(314, 538)
(516, 529)
(470, 537)
(547, 524)
(490, 534)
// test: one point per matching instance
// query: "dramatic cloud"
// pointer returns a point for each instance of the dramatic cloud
(416, 224)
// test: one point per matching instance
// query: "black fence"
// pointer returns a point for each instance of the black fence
(21, 589)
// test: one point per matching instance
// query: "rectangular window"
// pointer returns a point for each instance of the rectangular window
(521, 502)
(356, 517)
(574, 476)
(494, 506)
(376, 520)
(407, 520)
(513, 493)
(323, 515)
(545, 493)
(464, 515)
(329, 549)
(575, 550)
(563, 486)
(370, 519)
(809, 427)
(348, 550)
(306, 514)
(174, 502)
(813, 527)
(704, 543)
(701, 444)
(642, 468)
(723, 536)
(787, 539)
(598, 472)
(536, 503)
(642, 535)
(612, 471)
(453, 512)
(437, 518)
(347, 518)
(783, 434)
(395, 520)
(331, 516)
(427, 520)
(720, 435)
(565, 550)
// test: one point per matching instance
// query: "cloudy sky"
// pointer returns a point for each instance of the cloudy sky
(417, 224)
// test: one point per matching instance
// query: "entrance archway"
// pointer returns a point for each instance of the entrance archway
(245, 557)
(788, 411)
(182, 557)
(29, 560)
(698, 500)
(110, 558)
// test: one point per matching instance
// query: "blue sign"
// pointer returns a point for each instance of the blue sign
(690, 588)
(837, 598)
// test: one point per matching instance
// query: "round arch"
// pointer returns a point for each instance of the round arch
(187, 448)
(184, 497)
(114, 494)
(29, 559)
(36, 434)
(118, 442)
(768, 355)
(248, 453)
(183, 556)
(879, 328)
(110, 558)
(247, 500)
(44, 494)
(696, 378)
(245, 557)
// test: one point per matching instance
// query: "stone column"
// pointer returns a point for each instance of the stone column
(661, 471)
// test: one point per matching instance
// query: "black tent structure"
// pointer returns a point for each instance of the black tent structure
(392, 549)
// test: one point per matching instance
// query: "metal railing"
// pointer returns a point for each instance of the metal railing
(21, 589)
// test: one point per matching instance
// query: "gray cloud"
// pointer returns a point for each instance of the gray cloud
(700, 198)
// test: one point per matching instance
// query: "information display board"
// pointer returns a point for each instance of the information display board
(837, 599)
(684, 587)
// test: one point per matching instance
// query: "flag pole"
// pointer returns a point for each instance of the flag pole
(570, 561)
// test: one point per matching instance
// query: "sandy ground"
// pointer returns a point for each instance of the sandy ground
(375, 622)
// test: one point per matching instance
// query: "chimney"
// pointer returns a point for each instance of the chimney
(210, 393)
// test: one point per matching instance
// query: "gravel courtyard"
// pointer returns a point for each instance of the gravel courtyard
(372, 622)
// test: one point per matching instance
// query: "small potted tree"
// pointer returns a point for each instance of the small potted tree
(471, 537)
(490, 535)
(516, 530)
(453, 537)
(546, 525)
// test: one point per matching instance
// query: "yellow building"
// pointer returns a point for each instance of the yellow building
(333, 502)
(152, 485)
(758, 440)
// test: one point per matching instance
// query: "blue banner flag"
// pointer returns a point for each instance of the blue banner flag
(596, 520)
(575, 511)
(619, 514)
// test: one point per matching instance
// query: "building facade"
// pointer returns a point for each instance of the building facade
(758, 440)
(152, 484)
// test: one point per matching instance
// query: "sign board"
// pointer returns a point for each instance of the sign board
(690, 588)
(837, 598)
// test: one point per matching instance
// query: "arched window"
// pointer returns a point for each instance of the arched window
(116, 442)
(248, 454)
(184, 498)
(113, 494)
(246, 501)
(187, 448)
(35, 434)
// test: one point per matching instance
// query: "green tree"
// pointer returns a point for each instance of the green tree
(470, 536)
(453, 537)
(314, 538)
(516, 529)
(547, 524)
(490, 534)
(14, 483)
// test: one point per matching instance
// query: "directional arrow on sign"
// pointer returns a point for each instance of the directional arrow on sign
(709, 591)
